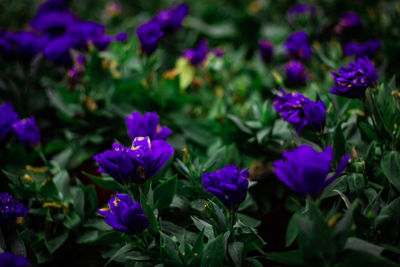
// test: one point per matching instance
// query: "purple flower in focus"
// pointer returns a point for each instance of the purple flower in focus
(135, 164)
(352, 81)
(305, 170)
(11, 211)
(27, 131)
(266, 50)
(227, 184)
(300, 111)
(8, 259)
(146, 125)
(296, 74)
(366, 49)
(170, 20)
(349, 22)
(7, 118)
(58, 50)
(301, 9)
(197, 55)
(125, 215)
(149, 35)
(298, 46)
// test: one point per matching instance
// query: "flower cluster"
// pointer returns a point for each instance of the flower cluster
(366, 49)
(352, 81)
(305, 170)
(165, 22)
(11, 211)
(300, 111)
(146, 125)
(298, 46)
(135, 164)
(227, 184)
(124, 215)
(57, 30)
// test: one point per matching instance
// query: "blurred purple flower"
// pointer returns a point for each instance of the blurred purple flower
(27, 131)
(7, 117)
(58, 50)
(301, 9)
(197, 55)
(218, 52)
(349, 22)
(26, 45)
(266, 50)
(83, 31)
(354, 79)
(170, 20)
(305, 170)
(149, 35)
(296, 74)
(121, 37)
(125, 215)
(366, 49)
(76, 73)
(8, 259)
(146, 125)
(54, 23)
(300, 111)
(11, 211)
(227, 184)
(298, 46)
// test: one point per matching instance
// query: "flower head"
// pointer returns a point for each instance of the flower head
(305, 170)
(296, 74)
(266, 50)
(197, 55)
(227, 184)
(26, 45)
(54, 23)
(354, 79)
(149, 35)
(146, 125)
(297, 46)
(366, 49)
(27, 131)
(11, 211)
(301, 9)
(121, 37)
(58, 50)
(7, 118)
(300, 111)
(349, 22)
(135, 164)
(125, 215)
(83, 31)
(9, 259)
(170, 20)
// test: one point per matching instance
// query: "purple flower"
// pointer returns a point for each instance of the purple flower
(366, 49)
(297, 46)
(170, 20)
(26, 45)
(135, 164)
(7, 118)
(302, 9)
(349, 22)
(296, 74)
(305, 170)
(266, 50)
(8, 259)
(121, 37)
(54, 23)
(27, 131)
(146, 125)
(197, 55)
(218, 52)
(125, 215)
(300, 111)
(75, 74)
(58, 50)
(11, 211)
(354, 79)
(149, 35)
(83, 31)
(227, 184)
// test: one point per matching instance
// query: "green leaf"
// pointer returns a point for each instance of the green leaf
(55, 243)
(72, 220)
(62, 182)
(390, 165)
(213, 253)
(356, 182)
(149, 211)
(204, 226)
(292, 230)
(164, 192)
(252, 241)
(105, 182)
(186, 73)
(354, 243)
(291, 258)
(121, 253)
(236, 250)
(361, 258)
(339, 143)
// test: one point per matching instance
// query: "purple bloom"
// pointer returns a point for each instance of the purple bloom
(302, 9)
(54, 23)
(300, 111)
(7, 118)
(135, 164)
(121, 37)
(297, 46)
(27, 131)
(170, 20)
(197, 55)
(266, 50)
(146, 125)
(83, 31)
(367, 49)
(349, 22)
(26, 45)
(305, 170)
(125, 215)
(11, 211)
(218, 52)
(8, 259)
(149, 35)
(354, 79)
(227, 184)
(58, 50)
(296, 74)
